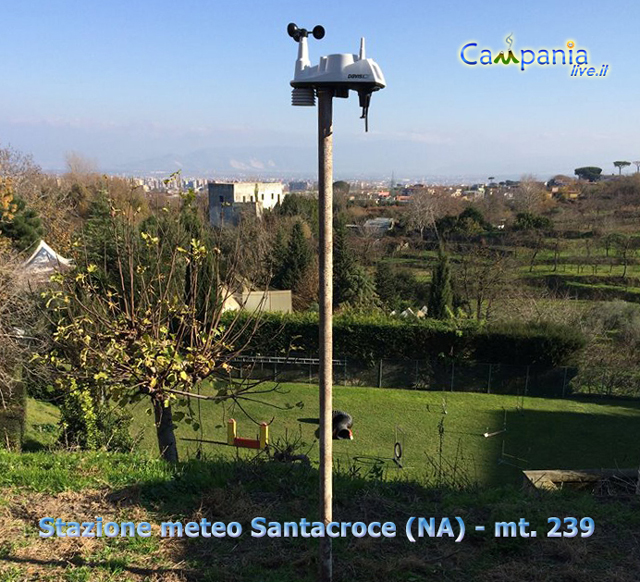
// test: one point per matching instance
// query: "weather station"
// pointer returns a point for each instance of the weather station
(334, 76)
(338, 74)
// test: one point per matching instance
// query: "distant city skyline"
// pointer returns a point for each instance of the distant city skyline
(204, 87)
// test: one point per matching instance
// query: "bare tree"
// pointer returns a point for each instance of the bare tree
(480, 276)
(80, 166)
(558, 245)
(23, 171)
(624, 246)
(531, 304)
(10, 306)
(530, 195)
(19, 317)
(368, 243)
(423, 211)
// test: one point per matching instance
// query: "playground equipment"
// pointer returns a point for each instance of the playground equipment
(505, 458)
(342, 423)
(235, 441)
(488, 434)
(398, 447)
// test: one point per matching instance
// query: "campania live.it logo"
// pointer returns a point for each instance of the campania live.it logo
(578, 60)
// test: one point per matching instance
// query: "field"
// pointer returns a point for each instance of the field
(450, 469)
(576, 270)
(540, 433)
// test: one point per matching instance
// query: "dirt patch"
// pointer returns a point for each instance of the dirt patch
(36, 558)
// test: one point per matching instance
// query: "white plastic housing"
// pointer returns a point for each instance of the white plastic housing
(349, 71)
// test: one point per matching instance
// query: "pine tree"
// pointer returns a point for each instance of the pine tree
(278, 258)
(23, 226)
(298, 258)
(292, 261)
(351, 283)
(385, 283)
(440, 294)
(343, 265)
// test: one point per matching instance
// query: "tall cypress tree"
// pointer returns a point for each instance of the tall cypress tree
(343, 265)
(278, 258)
(291, 260)
(351, 282)
(440, 294)
(298, 258)
(385, 280)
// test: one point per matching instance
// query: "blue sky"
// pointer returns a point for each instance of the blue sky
(129, 83)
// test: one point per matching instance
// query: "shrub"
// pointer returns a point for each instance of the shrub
(88, 423)
(371, 338)
(522, 343)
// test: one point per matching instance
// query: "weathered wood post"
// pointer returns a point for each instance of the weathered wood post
(325, 202)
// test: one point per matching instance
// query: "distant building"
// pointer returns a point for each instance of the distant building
(228, 201)
(379, 226)
(300, 186)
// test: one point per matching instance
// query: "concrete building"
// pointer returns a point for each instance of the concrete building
(227, 201)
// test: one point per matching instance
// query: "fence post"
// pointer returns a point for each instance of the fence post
(345, 372)
(380, 373)
(453, 371)
(489, 381)
(415, 382)
(526, 382)
(564, 382)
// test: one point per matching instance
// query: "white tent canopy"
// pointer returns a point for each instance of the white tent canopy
(45, 260)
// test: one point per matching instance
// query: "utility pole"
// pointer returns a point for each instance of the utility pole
(325, 203)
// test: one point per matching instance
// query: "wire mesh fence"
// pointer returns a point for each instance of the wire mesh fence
(448, 375)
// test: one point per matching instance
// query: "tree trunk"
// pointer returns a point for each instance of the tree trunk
(533, 260)
(165, 431)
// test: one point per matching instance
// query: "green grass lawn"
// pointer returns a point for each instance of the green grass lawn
(541, 433)
(42, 427)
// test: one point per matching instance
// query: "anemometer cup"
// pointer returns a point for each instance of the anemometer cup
(297, 33)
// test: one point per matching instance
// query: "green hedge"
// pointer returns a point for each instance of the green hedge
(530, 344)
(13, 409)
(368, 339)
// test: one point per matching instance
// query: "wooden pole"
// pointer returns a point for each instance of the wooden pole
(325, 203)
